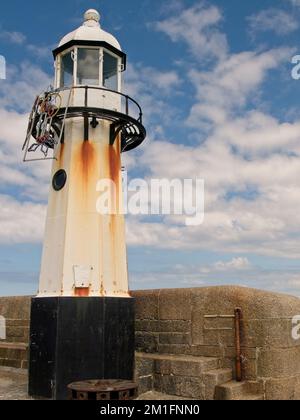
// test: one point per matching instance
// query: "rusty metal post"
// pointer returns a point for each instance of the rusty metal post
(239, 357)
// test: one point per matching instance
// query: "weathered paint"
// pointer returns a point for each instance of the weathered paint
(87, 162)
(76, 235)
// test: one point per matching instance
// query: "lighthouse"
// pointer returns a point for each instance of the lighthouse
(82, 319)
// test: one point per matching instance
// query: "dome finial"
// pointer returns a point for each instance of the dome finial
(91, 17)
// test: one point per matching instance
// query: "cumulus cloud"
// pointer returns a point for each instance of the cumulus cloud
(21, 222)
(232, 82)
(274, 20)
(248, 159)
(239, 263)
(22, 85)
(197, 27)
(17, 93)
(12, 37)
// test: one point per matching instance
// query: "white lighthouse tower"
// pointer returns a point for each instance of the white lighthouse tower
(84, 124)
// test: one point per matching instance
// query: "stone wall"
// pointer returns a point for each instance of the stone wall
(176, 322)
(14, 349)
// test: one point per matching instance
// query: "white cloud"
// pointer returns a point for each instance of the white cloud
(244, 150)
(275, 20)
(284, 280)
(43, 52)
(233, 80)
(141, 79)
(22, 85)
(20, 222)
(294, 2)
(197, 27)
(18, 92)
(239, 263)
(12, 37)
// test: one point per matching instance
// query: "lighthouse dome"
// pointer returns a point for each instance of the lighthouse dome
(90, 31)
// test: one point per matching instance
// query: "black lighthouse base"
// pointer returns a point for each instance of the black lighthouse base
(76, 339)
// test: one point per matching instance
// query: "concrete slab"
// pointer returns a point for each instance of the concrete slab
(13, 384)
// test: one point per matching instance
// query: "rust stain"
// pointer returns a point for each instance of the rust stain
(82, 292)
(87, 157)
(61, 153)
(102, 291)
(114, 160)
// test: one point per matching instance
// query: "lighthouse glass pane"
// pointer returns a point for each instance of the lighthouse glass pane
(88, 67)
(67, 70)
(110, 72)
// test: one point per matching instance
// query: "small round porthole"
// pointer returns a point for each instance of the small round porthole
(59, 180)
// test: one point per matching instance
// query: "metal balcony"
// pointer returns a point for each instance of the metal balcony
(51, 110)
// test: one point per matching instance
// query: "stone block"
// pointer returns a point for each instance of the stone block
(214, 378)
(275, 333)
(180, 386)
(278, 363)
(280, 389)
(144, 366)
(174, 338)
(218, 323)
(15, 307)
(175, 305)
(145, 384)
(17, 322)
(175, 326)
(207, 351)
(227, 338)
(146, 342)
(189, 367)
(174, 349)
(147, 326)
(146, 304)
(13, 354)
(211, 338)
(17, 332)
(17, 364)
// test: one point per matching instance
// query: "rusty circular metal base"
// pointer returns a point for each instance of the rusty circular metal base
(103, 390)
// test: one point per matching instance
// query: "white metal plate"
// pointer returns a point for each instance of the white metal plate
(82, 276)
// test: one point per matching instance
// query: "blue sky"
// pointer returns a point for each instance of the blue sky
(214, 80)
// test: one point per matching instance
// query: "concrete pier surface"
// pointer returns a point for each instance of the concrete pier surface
(13, 384)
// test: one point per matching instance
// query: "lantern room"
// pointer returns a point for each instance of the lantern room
(89, 56)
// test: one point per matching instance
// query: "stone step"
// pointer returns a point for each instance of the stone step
(179, 365)
(230, 390)
(179, 375)
(250, 397)
(238, 391)
(13, 355)
(158, 396)
(13, 346)
(214, 378)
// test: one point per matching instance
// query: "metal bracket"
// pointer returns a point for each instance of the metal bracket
(115, 129)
